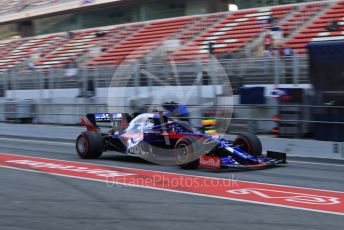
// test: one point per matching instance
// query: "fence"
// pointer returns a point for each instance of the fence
(239, 118)
(52, 108)
(292, 70)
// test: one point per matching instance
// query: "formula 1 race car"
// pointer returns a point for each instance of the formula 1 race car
(162, 140)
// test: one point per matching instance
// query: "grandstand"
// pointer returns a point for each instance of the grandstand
(7, 7)
(79, 64)
(230, 32)
(316, 30)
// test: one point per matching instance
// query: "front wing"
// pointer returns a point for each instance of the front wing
(272, 159)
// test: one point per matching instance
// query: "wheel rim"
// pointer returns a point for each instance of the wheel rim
(82, 144)
(241, 143)
(182, 153)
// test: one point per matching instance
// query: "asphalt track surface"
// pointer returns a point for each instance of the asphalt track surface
(42, 201)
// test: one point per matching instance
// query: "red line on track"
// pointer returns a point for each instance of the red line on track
(253, 192)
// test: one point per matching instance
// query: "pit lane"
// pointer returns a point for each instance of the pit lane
(43, 201)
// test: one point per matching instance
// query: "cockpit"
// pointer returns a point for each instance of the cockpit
(153, 122)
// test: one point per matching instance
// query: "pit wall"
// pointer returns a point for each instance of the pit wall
(121, 98)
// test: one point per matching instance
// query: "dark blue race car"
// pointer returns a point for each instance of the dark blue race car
(162, 140)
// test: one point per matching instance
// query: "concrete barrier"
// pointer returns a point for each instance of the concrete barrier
(305, 148)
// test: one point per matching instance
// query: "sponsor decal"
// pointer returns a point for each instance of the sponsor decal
(210, 162)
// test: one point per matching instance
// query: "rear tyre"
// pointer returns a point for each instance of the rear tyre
(250, 143)
(185, 152)
(89, 145)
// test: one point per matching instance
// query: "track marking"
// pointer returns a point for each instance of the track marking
(180, 174)
(317, 163)
(250, 192)
(38, 141)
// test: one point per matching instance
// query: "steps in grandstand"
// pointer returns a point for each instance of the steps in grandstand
(301, 17)
(90, 41)
(308, 15)
(27, 50)
(125, 34)
(199, 25)
(251, 48)
(232, 33)
(316, 29)
(141, 43)
(116, 36)
(172, 43)
(5, 50)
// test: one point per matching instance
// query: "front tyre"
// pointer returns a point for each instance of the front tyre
(89, 145)
(250, 143)
(185, 152)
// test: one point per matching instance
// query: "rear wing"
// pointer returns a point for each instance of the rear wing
(119, 121)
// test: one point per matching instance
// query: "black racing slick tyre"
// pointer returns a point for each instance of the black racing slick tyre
(89, 145)
(250, 143)
(185, 152)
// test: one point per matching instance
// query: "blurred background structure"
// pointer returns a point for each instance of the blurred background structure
(59, 59)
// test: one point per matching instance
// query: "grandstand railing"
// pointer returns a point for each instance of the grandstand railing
(250, 71)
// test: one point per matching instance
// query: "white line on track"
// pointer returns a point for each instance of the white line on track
(316, 163)
(38, 141)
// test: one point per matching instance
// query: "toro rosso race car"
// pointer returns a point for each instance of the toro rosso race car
(163, 140)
